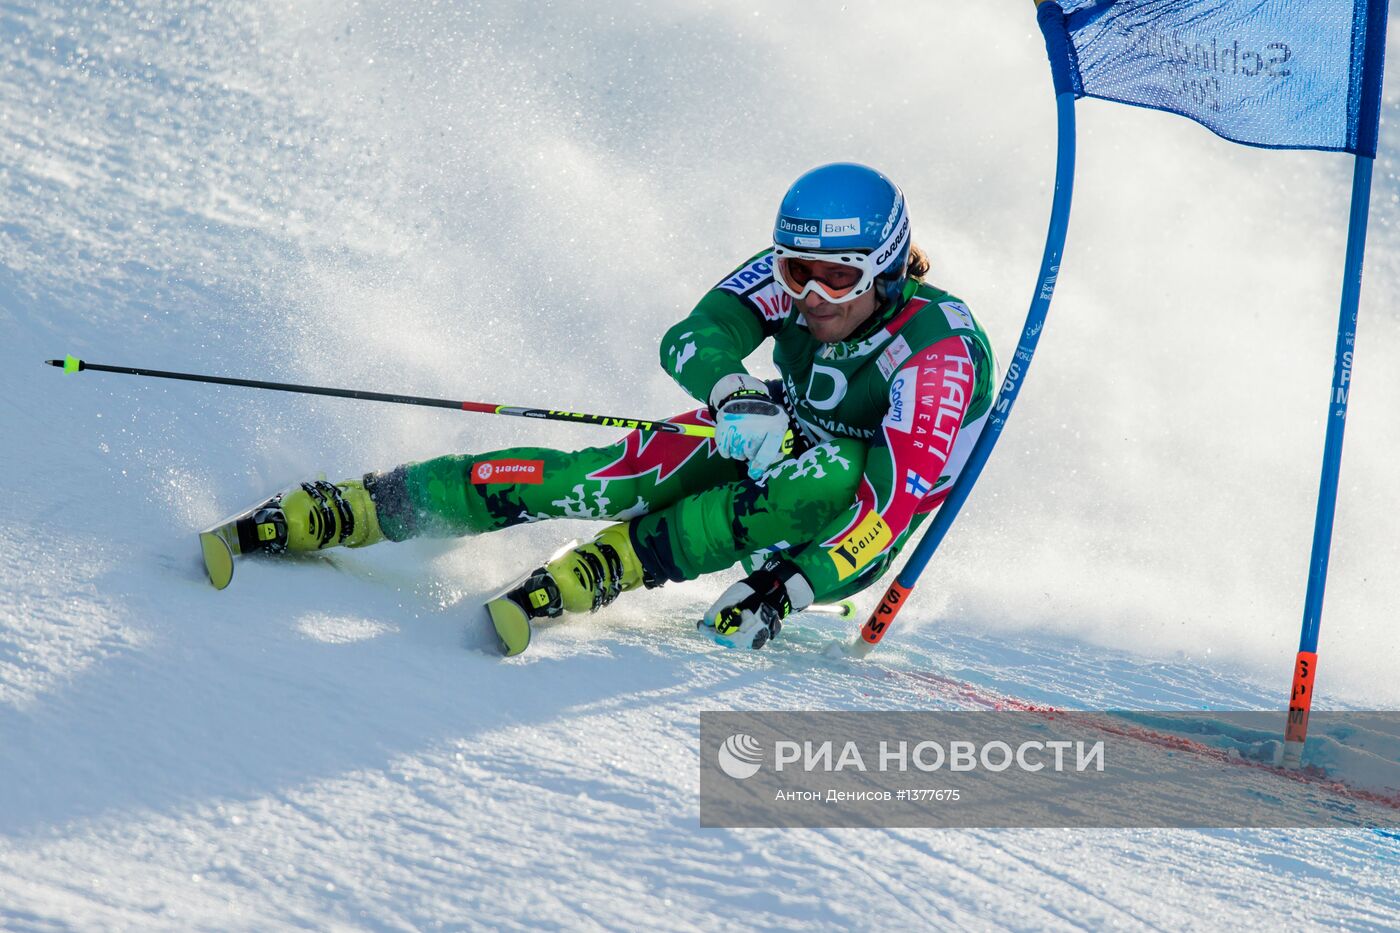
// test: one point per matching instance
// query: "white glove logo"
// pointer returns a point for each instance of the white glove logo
(740, 756)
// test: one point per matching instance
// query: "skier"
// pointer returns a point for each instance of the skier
(813, 481)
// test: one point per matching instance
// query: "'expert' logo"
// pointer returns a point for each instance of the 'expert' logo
(530, 472)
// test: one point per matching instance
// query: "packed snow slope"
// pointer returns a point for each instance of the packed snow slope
(511, 202)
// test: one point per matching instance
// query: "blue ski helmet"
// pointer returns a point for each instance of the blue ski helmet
(849, 213)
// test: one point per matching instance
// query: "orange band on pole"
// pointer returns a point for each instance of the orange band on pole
(1300, 701)
(879, 621)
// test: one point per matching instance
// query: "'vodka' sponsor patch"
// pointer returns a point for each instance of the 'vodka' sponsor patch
(771, 301)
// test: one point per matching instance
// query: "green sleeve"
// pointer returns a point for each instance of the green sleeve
(711, 343)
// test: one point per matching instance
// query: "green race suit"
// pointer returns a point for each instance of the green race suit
(886, 421)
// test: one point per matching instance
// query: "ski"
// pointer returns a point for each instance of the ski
(510, 622)
(513, 627)
(264, 528)
(261, 527)
(218, 557)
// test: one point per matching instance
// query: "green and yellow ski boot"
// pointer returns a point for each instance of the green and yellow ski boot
(579, 578)
(310, 517)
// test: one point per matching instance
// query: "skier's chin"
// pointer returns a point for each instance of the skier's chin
(827, 326)
(833, 322)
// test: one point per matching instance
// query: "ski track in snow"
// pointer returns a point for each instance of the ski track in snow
(237, 187)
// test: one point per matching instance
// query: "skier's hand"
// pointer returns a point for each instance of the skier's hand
(751, 612)
(749, 424)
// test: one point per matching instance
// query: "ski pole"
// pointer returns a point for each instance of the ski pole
(71, 364)
(1051, 20)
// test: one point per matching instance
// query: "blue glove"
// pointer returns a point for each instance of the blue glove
(749, 424)
(750, 613)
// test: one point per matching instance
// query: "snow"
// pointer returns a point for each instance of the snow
(434, 198)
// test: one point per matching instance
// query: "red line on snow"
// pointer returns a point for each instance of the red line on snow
(1310, 776)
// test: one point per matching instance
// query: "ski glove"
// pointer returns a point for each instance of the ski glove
(751, 612)
(749, 424)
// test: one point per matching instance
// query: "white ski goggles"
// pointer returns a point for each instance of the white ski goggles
(836, 277)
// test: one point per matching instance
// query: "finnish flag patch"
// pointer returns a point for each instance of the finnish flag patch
(916, 485)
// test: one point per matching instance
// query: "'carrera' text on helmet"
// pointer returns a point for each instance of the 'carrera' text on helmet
(894, 245)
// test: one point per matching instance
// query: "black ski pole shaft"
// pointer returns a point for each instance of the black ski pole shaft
(72, 364)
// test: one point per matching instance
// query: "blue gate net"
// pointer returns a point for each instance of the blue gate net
(1291, 74)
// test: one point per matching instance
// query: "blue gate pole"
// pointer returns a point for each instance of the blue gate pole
(1052, 24)
(1305, 666)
